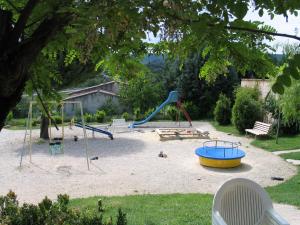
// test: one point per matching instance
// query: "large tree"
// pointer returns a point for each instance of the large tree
(114, 31)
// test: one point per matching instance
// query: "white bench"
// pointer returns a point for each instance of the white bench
(117, 123)
(260, 129)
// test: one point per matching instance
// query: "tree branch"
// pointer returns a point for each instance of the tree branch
(13, 6)
(43, 104)
(250, 30)
(21, 23)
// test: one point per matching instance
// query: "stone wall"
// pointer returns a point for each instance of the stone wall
(264, 86)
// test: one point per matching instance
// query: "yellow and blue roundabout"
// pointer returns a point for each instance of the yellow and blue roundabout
(220, 154)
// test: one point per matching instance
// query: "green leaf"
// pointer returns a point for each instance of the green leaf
(241, 10)
(278, 88)
(294, 73)
(297, 60)
(261, 12)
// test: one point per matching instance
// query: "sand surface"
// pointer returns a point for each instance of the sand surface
(129, 164)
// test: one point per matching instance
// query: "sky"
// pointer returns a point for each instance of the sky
(281, 25)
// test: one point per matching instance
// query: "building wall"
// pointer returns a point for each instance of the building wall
(264, 86)
(90, 103)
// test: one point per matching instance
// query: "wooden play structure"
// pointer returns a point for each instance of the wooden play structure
(181, 133)
(56, 144)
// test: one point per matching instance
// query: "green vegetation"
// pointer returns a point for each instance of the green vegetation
(229, 129)
(222, 111)
(100, 116)
(142, 93)
(284, 143)
(247, 108)
(53, 213)
(172, 209)
(292, 155)
(287, 192)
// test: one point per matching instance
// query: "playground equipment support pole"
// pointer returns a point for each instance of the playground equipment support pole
(25, 137)
(62, 127)
(85, 137)
(30, 132)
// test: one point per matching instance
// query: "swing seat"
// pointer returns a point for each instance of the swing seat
(55, 148)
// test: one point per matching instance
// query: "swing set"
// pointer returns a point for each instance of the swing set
(56, 145)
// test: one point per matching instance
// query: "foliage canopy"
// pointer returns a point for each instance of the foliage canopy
(111, 34)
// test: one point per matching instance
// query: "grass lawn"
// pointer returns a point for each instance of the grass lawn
(171, 209)
(226, 129)
(284, 143)
(287, 192)
(292, 155)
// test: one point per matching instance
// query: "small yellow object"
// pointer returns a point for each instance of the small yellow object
(219, 163)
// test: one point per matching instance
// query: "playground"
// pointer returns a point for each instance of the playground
(127, 165)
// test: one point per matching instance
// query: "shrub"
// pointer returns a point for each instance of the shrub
(172, 112)
(100, 116)
(222, 112)
(10, 116)
(126, 116)
(51, 213)
(35, 122)
(289, 104)
(247, 109)
(290, 128)
(148, 112)
(57, 119)
(88, 118)
(137, 114)
(17, 122)
(110, 107)
(192, 110)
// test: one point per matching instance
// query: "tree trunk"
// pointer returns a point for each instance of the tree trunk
(17, 58)
(44, 128)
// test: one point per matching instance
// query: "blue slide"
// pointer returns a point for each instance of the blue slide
(173, 97)
(95, 129)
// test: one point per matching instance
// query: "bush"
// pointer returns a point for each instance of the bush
(137, 114)
(88, 118)
(51, 213)
(148, 112)
(100, 116)
(110, 107)
(222, 112)
(17, 122)
(57, 119)
(172, 112)
(192, 110)
(126, 116)
(289, 128)
(247, 109)
(10, 116)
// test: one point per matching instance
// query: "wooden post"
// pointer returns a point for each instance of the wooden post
(278, 125)
(30, 132)
(85, 137)
(50, 134)
(62, 126)
(25, 136)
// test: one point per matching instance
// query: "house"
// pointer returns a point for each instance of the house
(93, 97)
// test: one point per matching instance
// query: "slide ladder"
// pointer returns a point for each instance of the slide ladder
(95, 129)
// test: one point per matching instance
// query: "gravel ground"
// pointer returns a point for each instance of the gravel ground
(129, 164)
